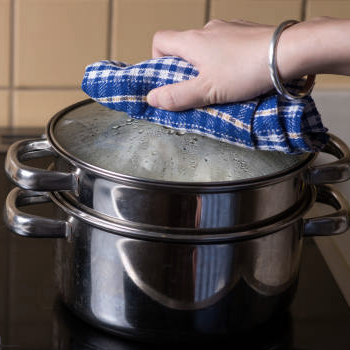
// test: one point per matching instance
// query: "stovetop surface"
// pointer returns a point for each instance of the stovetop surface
(32, 317)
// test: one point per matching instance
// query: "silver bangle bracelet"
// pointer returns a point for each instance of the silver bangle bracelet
(275, 77)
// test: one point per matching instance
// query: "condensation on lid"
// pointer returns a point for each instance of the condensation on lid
(113, 141)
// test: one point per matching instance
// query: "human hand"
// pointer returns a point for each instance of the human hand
(232, 59)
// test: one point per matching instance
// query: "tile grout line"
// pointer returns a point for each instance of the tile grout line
(11, 63)
(303, 10)
(109, 29)
(207, 11)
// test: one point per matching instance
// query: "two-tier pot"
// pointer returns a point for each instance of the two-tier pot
(168, 233)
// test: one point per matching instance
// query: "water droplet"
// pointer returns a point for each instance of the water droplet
(195, 139)
(140, 131)
(129, 120)
(154, 153)
(180, 133)
(205, 159)
(184, 148)
(171, 132)
(116, 127)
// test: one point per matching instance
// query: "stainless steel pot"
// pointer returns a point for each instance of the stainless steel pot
(85, 176)
(147, 284)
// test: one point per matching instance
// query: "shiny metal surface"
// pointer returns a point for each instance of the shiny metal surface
(110, 140)
(177, 205)
(334, 172)
(220, 205)
(33, 178)
(336, 222)
(29, 225)
(146, 287)
(204, 206)
(201, 236)
(222, 208)
(135, 286)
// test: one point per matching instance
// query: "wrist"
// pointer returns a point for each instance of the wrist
(315, 46)
(292, 58)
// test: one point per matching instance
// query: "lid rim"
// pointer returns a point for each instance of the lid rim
(215, 185)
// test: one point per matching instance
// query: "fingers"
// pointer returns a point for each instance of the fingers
(180, 96)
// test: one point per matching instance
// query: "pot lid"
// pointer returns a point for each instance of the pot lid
(113, 141)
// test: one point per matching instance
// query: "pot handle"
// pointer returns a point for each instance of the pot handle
(29, 225)
(32, 178)
(331, 224)
(337, 171)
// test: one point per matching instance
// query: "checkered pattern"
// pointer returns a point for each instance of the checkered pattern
(269, 122)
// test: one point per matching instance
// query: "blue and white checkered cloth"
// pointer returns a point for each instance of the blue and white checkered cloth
(269, 122)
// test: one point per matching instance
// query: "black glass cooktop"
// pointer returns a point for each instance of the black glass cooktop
(32, 317)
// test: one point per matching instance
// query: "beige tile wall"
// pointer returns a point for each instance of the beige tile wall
(4, 42)
(133, 43)
(36, 106)
(47, 43)
(55, 39)
(4, 108)
(262, 11)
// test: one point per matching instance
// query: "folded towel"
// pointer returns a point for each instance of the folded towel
(269, 122)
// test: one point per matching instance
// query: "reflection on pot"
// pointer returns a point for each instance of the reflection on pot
(207, 272)
(145, 287)
(270, 271)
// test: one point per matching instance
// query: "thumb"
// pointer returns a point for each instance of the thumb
(179, 96)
